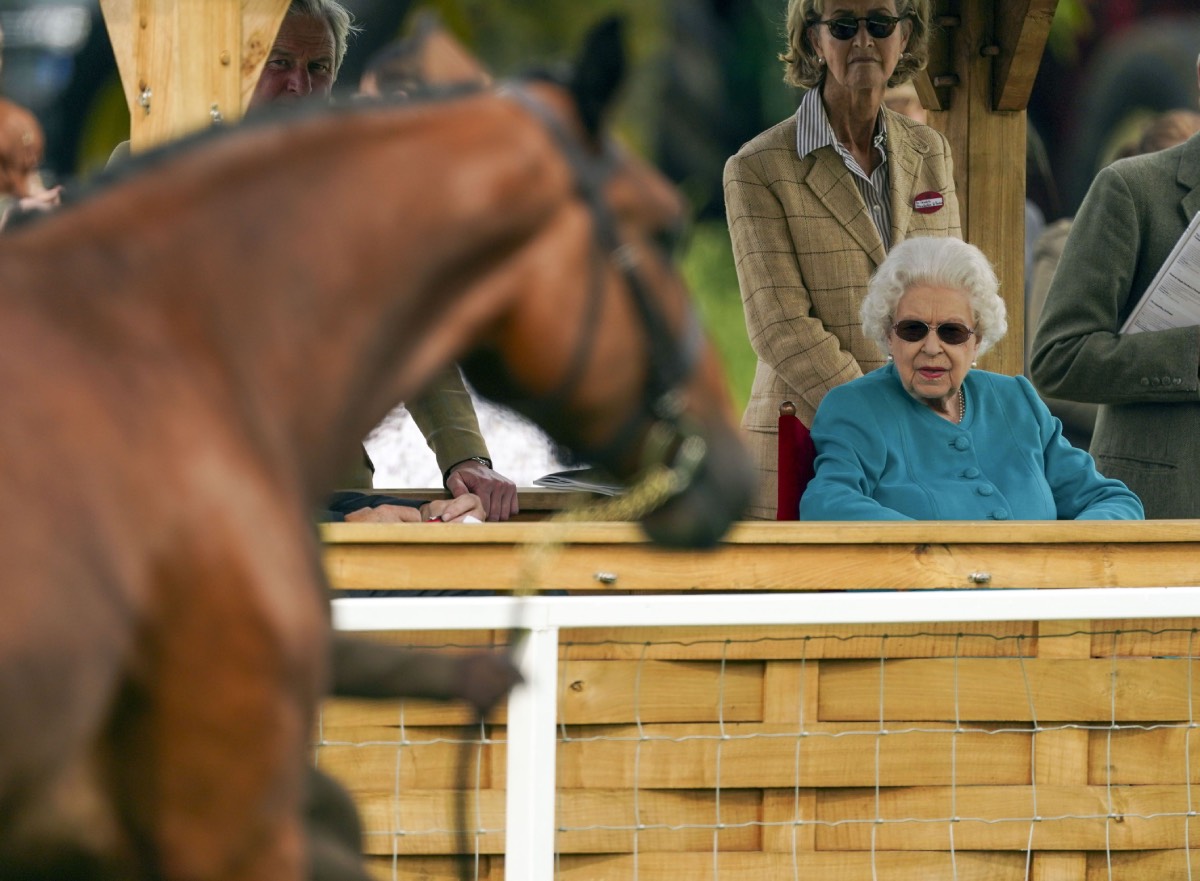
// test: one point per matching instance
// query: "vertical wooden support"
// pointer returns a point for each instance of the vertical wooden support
(185, 63)
(1061, 756)
(989, 171)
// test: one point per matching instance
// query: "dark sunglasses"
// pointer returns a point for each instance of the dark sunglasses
(951, 333)
(878, 26)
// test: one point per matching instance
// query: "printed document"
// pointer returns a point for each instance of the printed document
(1173, 298)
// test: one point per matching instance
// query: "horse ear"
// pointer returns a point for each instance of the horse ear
(599, 72)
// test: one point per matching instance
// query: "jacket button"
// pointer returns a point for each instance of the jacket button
(1145, 380)
(971, 473)
(1166, 380)
(962, 442)
(1176, 380)
(1154, 380)
(999, 514)
(985, 490)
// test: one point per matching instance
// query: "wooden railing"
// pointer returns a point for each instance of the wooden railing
(1058, 748)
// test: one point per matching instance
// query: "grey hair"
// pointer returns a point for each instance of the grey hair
(800, 67)
(338, 17)
(940, 262)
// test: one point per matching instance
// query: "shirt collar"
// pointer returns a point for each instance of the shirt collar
(813, 130)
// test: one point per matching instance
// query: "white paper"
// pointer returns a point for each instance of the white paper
(1173, 298)
(589, 479)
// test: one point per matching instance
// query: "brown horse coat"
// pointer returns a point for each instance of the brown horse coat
(187, 360)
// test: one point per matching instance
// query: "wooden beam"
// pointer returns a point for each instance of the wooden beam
(1021, 29)
(260, 23)
(989, 173)
(184, 65)
(767, 556)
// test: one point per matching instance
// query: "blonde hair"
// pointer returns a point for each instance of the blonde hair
(800, 67)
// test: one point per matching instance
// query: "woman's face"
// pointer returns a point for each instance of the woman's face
(863, 62)
(930, 369)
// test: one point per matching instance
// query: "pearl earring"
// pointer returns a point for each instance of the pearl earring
(890, 357)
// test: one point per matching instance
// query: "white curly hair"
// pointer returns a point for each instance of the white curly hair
(939, 262)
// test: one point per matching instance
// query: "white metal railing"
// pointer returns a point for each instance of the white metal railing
(532, 708)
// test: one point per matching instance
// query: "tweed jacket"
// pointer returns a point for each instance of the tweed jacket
(805, 247)
(883, 455)
(1148, 427)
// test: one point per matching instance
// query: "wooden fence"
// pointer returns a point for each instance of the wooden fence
(1051, 750)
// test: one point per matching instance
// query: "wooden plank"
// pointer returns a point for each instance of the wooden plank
(1004, 689)
(1021, 28)
(1059, 867)
(882, 866)
(433, 868)
(1177, 637)
(1160, 755)
(995, 220)
(184, 64)
(918, 533)
(931, 640)
(370, 763)
(788, 816)
(1146, 637)
(790, 693)
(1153, 865)
(1060, 757)
(1002, 817)
(424, 822)
(602, 821)
(1064, 639)
(345, 714)
(755, 755)
(595, 821)
(597, 692)
(260, 24)
(407, 565)
(659, 691)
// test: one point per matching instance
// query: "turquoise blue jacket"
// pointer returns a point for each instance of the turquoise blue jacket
(882, 455)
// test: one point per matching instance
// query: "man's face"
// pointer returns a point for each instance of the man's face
(300, 64)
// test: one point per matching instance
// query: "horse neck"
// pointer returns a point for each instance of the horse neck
(314, 274)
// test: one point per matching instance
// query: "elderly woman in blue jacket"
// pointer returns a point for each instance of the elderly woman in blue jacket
(925, 437)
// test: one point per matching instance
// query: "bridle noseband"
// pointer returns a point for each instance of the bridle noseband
(672, 441)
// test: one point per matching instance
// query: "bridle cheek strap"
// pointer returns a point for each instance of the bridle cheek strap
(670, 361)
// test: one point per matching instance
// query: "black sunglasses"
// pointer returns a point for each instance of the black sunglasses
(878, 26)
(951, 333)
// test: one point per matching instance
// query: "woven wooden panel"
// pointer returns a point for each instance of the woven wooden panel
(917, 752)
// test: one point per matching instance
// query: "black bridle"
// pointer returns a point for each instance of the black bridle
(671, 360)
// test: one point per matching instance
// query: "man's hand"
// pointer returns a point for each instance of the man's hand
(497, 492)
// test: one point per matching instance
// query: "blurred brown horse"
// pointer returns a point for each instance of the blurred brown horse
(188, 359)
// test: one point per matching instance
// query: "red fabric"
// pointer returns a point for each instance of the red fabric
(796, 459)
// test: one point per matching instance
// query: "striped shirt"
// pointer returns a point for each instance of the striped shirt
(813, 132)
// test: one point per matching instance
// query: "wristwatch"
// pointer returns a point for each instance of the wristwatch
(482, 460)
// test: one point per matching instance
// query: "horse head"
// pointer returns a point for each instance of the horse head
(565, 361)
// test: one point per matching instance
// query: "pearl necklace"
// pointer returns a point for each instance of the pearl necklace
(962, 405)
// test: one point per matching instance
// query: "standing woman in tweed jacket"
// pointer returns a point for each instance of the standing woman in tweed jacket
(815, 202)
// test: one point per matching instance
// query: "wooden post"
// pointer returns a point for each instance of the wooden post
(186, 63)
(986, 73)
